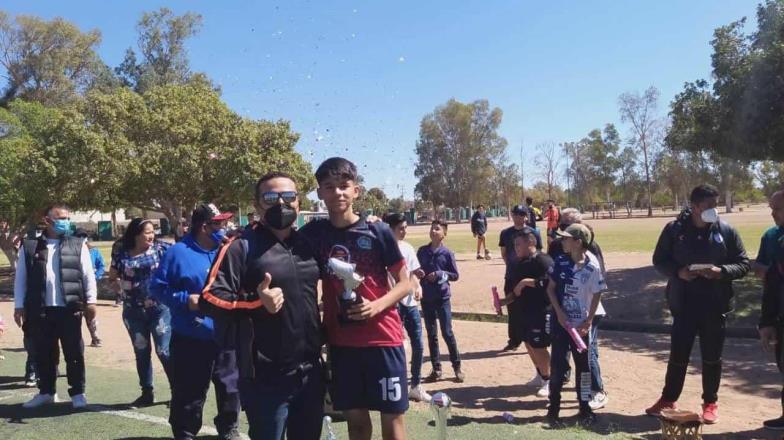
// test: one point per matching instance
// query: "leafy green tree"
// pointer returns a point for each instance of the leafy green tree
(456, 150)
(181, 145)
(771, 176)
(373, 199)
(741, 115)
(397, 205)
(46, 61)
(45, 157)
(164, 57)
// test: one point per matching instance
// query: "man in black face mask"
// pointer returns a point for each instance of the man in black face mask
(261, 291)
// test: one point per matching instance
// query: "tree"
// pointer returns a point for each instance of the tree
(548, 161)
(397, 205)
(164, 58)
(742, 115)
(640, 111)
(456, 150)
(771, 176)
(373, 199)
(45, 157)
(506, 181)
(181, 145)
(46, 61)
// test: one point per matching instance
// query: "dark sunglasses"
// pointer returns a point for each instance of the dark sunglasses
(272, 197)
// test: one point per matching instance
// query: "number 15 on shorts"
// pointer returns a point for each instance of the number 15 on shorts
(390, 389)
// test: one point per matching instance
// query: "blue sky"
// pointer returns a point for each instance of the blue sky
(356, 77)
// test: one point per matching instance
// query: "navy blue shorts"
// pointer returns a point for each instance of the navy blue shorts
(373, 378)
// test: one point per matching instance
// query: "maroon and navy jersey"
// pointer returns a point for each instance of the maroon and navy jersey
(373, 249)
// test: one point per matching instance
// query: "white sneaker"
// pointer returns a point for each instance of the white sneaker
(79, 401)
(41, 399)
(535, 381)
(599, 400)
(544, 390)
(418, 394)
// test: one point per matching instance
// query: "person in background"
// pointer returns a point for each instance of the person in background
(520, 216)
(771, 249)
(54, 285)
(479, 229)
(251, 218)
(409, 307)
(439, 268)
(553, 217)
(536, 213)
(771, 328)
(196, 358)
(100, 268)
(701, 255)
(146, 319)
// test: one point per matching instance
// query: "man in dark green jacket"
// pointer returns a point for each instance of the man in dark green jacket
(701, 255)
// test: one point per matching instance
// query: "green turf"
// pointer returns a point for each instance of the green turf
(113, 388)
(628, 236)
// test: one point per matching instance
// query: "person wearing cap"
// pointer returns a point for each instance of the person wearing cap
(701, 256)
(100, 268)
(506, 244)
(575, 287)
(195, 357)
(571, 216)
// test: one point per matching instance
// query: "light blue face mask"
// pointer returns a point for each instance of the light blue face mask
(61, 226)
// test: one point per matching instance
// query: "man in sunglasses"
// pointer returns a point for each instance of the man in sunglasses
(196, 359)
(261, 291)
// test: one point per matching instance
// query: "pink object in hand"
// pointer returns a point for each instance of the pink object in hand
(497, 302)
(577, 339)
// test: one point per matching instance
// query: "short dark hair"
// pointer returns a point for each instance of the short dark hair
(526, 233)
(529, 200)
(441, 223)
(703, 192)
(338, 167)
(54, 206)
(270, 176)
(480, 206)
(394, 218)
(135, 227)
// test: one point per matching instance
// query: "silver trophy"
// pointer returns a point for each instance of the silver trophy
(326, 429)
(347, 273)
(440, 406)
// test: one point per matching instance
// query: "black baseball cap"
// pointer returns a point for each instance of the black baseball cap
(520, 210)
(208, 212)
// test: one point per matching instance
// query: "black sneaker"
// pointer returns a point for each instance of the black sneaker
(30, 380)
(586, 417)
(511, 347)
(434, 375)
(234, 434)
(479, 257)
(774, 424)
(553, 419)
(146, 399)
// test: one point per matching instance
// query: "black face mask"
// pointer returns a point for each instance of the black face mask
(280, 216)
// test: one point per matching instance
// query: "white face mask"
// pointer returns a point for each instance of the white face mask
(710, 215)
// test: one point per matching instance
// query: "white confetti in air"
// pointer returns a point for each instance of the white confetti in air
(401, 59)
(92, 181)
(213, 156)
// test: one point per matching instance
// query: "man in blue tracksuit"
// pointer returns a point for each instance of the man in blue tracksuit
(195, 355)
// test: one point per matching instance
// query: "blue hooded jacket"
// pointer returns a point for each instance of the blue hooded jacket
(183, 272)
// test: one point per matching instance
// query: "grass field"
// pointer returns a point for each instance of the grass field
(620, 236)
(108, 391)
